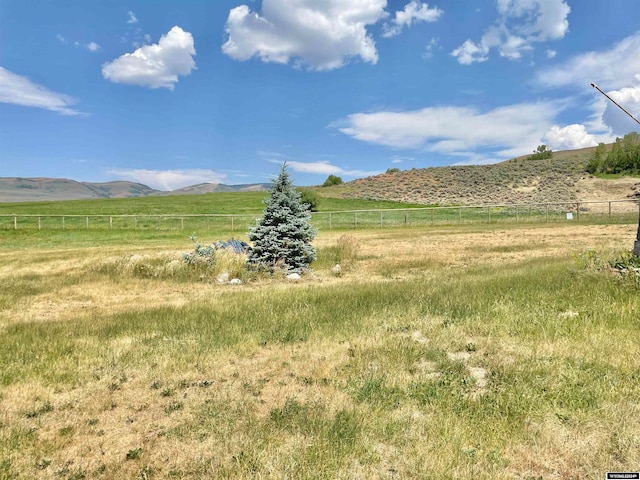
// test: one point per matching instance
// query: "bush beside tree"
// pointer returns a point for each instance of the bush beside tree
(309, 197)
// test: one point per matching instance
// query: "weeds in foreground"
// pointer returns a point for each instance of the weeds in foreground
(345, 253)
(625, 264)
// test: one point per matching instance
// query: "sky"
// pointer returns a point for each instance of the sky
(173, 93)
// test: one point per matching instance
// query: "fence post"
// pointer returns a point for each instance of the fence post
(39, 224)
(87, 222)
(546, 213)
(609, 211)
(233, 226)
(517, 215)
(15, 223)
(460, 215)
(63, 222)
(135, 222)
(405, 218)
(110, 222)
(182, 224)
(158, 222)
(330, 222)
(578, 211)
(355, 219)
(488, 214)
(380, 218)
(432, 220)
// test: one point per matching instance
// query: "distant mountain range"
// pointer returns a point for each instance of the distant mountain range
(14, 189)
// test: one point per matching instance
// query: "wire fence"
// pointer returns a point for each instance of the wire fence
(613, 211)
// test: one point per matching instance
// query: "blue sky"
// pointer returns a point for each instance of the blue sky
(175, 93)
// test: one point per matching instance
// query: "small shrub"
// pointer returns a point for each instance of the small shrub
(200, 254)
(628, 266)
(310, 198)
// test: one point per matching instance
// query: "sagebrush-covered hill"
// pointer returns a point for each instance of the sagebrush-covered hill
(561, 178)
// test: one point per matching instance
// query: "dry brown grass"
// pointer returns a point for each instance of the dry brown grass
(211, 414)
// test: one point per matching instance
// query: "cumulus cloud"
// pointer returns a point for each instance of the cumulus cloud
(19, 90)
(460, 131)
(469, 52)
(92, 46)
(569, 137)
(520, 24)
(168, 180)
(316, 35)
(414, 11)
(157, 65)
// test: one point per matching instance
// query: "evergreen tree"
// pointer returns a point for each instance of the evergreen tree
(282, 237)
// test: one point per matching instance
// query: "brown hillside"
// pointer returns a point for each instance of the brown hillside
(517, 181)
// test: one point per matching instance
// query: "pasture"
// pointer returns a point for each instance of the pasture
(465, 351)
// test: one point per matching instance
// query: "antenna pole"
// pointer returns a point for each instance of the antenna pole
(636, 245)
(615, 103)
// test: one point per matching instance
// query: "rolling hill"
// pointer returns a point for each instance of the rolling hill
(13, 189)
(521, 180)
(561, 178)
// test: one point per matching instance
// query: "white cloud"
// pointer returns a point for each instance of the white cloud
(399, 159)
(506, 131)
(92, 46)
(520, 24)
(469, 52)
(324, 168)
(413, 11)
(61, 38)
(615, 68)
(569, 137)
(169, 179)
(19, 90)
(317, 35)
(551, 53)
(157, 65)
(132, 17)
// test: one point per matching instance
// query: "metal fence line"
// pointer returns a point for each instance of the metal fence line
(341, 219)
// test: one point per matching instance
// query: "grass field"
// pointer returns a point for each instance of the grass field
(470, 351)
(211, 203)
(233, 213)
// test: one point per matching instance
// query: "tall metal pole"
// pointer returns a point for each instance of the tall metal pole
(636, 245)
